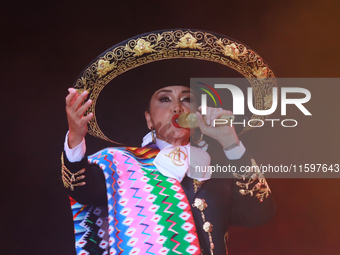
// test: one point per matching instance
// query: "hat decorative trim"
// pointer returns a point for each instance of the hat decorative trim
(170, 44)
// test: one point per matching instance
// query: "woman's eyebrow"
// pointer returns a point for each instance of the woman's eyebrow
(164, 90)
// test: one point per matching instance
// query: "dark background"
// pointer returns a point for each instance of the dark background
(46, 44)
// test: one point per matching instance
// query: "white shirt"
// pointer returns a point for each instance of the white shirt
(77, 153)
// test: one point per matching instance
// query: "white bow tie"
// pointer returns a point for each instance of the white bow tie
(178, 161)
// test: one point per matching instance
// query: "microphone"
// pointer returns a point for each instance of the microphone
(189, 120)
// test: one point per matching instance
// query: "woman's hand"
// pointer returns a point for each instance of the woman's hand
(224, 134)
(77, 122)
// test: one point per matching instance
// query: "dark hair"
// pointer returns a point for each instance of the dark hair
(148, 104)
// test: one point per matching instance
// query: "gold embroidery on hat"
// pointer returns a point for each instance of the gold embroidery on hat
(175, 156)
(104, 67)
(260, 72)
(142, 47)
(85, 86)
(174, 45)
(268, 101)
(231, 50)
(188, 41)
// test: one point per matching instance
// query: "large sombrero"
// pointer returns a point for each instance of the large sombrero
(130, 87)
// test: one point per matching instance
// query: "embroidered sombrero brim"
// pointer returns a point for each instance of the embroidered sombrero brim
(120, 110)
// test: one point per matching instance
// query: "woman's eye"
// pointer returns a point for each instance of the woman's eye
(164, 99)
(187, 99)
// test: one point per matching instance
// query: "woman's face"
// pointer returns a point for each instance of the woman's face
(164, 104)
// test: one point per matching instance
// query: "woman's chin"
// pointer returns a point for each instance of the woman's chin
(178, 134)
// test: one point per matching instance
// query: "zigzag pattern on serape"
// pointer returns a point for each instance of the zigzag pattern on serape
(147, 212)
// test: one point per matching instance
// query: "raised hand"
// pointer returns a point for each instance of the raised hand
(224, 134)
(77, 122)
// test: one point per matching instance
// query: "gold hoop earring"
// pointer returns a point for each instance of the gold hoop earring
(153, 136)
(197, 142)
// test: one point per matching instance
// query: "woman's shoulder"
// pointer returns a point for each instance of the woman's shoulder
(137, 151)
(144, 155)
